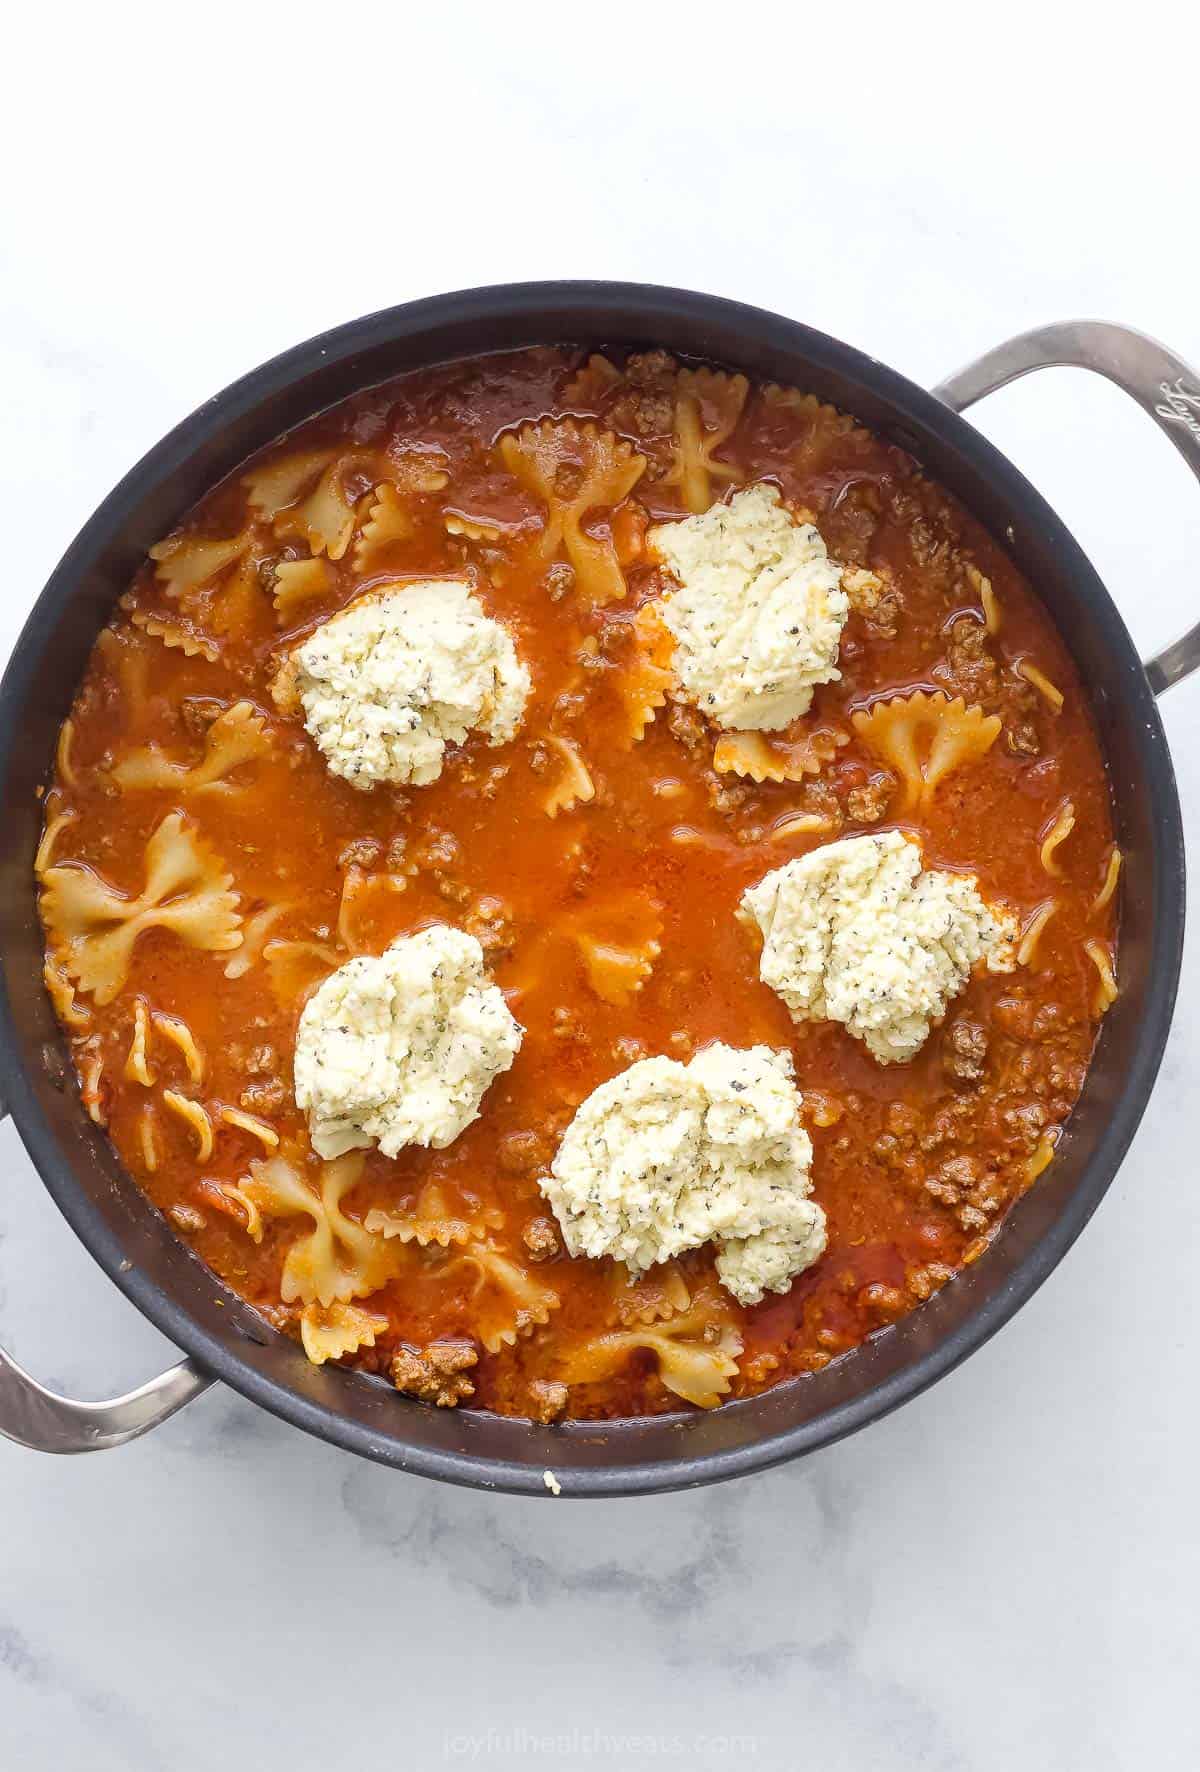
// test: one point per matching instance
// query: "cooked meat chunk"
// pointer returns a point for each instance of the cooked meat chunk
(256, 1061)
(759, 1369)
(546, 1398)
(1026, 1121)
(559, 579)
(885, 1303)
(646, 412)
(956, 1179)
(440, 851)
(363, 852)
(439, 1375)
(198, 713)
(1018, 705)
(923, 1282)
(522, 1152)
(187, 1218)
(645, 368)
(867, 805)
(687, 726)
(965, 1052)
(726, 796)
(490, 923)
(1022, 739)
(969, 668)
(541, 1239)
(615, 637)
(882, 622)
(264, 1098)
(646, 405)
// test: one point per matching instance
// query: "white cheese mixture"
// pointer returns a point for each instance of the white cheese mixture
(667, 1156)
(389, 682)
(859, 932)
(759, 614)
(399, 1049)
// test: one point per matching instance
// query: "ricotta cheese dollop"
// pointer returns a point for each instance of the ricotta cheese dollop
(759, 614)
(860, 932)
(667, 1156)
(398, 1049)
(391, 680)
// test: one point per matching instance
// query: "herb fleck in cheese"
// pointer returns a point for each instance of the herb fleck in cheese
(393, 679)
(759, 614)
(399, 1049)
(667, 1156)
(859, 932)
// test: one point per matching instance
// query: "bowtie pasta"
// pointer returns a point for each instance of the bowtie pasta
(392, 861)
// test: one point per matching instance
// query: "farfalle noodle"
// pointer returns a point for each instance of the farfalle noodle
(296, 584)
(776, 756)
(338, 1258)
(178, 634)
(388, 520)
(826, 427)
(256, 931)
(573, 785)
(237, 736)
(93, 927)
(1054, 836)
(696, 1355)
(296, 968)
(701, 393)
(279, 483)
(175, 1030)
(646, 676)
(508, 1301)
(183, 562)
(618, 944)
(359, 888)
(329, 1332)
(325, 519)
(195, 1117)
(433, 1219)
(576, 469)
(57, 820)
(924, 738)
(655, 1296)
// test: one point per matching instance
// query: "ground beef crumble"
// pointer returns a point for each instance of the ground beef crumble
(546, 1399)
(520, 1153)
(969, 669)
(438, 1375)
(198, 712)
(264, 1098)
(867, 804)
(687, 726)
(964, 1055)
(540, 1237)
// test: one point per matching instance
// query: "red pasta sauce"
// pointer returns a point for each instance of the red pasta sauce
(914, 1164)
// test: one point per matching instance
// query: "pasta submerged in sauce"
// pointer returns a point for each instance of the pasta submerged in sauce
(203, 872)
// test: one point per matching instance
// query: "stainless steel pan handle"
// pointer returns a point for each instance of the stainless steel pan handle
(1162, 384)
(42, 1420)
(36, 1417)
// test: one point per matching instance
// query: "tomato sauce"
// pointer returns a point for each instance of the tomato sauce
(914, 1164)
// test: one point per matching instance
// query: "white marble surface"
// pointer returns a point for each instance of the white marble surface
(1004, 1574)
